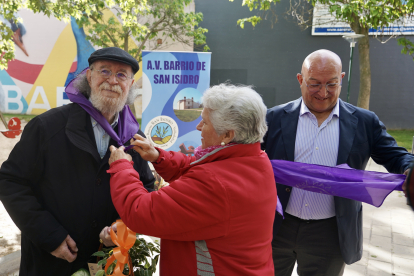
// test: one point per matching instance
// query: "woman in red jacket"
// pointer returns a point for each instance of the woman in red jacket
(216, 216)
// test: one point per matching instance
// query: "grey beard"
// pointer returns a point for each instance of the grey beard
(82, 85)
(107, 105)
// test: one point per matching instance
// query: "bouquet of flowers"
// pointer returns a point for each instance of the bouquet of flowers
(144, 258)
(134, 255)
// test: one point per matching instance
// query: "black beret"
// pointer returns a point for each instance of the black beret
(116, 54)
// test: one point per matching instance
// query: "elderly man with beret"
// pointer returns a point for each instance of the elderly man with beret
(54, 184)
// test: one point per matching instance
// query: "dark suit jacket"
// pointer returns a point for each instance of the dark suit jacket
(54, 183)
(362, 136)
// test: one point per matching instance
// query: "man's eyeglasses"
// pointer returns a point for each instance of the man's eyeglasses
(107, 73)
(330, 87)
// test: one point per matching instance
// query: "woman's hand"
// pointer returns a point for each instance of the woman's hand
(105, 235)
(118, 153)
(145, 148)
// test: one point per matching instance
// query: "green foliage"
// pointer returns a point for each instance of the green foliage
(261, 5)
(408, 46)
(99, 254)
(187, 115)
(81, 272)
(140, 252)
(22, 117)
(367, 13)
(138, 25)
(404, 137)
(254, 20)
(361, 15)
(8, 8)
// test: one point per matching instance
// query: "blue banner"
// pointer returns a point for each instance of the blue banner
(173, 86)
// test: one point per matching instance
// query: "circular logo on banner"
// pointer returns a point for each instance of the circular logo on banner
(162, 131)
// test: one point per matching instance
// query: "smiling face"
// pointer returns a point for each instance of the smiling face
(109, 95)
(321, 67)
(209, 136)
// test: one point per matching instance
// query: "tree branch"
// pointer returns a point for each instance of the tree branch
(150, 32)
(105, 31)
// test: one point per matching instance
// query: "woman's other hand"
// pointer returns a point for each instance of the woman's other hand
(118, 153)
(105, 235)
(145, 148)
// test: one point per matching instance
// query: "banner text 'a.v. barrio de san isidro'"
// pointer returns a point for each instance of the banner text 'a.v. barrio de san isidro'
(173, 86)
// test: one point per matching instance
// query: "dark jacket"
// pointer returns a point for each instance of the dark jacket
(54, 184)
(361, 136)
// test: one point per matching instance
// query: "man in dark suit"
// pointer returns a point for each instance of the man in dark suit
(323, 232)
(54, 184)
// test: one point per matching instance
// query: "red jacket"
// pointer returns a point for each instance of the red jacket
(215, 217)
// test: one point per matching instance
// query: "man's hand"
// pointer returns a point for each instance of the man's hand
(404, 186)
(145, 148)
(105, 235)
(117, 154)
(67, 250)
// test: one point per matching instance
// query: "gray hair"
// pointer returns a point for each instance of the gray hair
(237, 108)
(82, 85)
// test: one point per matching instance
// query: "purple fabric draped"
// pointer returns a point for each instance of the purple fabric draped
(279, 208)
(343, 181)
(127, 124)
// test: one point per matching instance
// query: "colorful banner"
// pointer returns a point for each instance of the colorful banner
(48, 54)
(173, 85)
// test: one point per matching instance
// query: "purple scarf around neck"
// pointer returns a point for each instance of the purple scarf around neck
(127, 124)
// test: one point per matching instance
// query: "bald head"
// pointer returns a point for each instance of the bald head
(320, 82)
(322, 60)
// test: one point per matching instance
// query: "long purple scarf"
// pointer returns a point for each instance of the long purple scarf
(127, 124)
(343, 181)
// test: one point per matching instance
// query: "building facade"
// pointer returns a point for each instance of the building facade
(187, 104)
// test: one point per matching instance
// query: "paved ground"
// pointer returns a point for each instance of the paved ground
(9, 233)
(388, 233)
(388, 237)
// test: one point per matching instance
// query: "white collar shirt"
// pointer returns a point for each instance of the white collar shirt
(315, 145)
(101, 137)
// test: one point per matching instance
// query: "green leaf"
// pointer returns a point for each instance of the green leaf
(100, 273)
(81, 272)
(99, 254)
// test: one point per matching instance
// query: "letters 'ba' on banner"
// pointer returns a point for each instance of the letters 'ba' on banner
(173, 86)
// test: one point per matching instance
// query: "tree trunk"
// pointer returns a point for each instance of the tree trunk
(364, 71)
(126, 40)
(364, 66)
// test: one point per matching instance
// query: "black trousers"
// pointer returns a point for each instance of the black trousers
(314, 244)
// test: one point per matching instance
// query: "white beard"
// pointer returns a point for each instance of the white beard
(108, 105)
